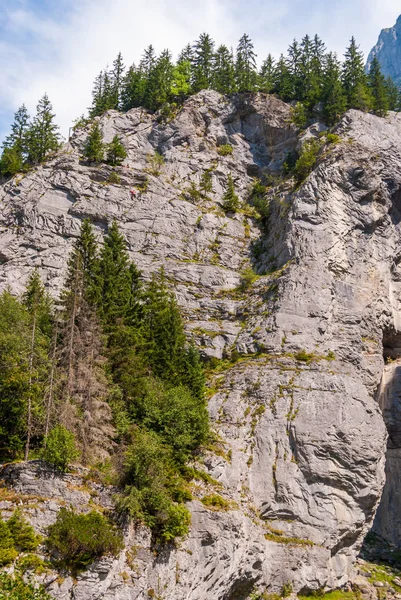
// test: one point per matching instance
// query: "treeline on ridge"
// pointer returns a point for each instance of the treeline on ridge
(307, 74)
(322, 85)
(108, 377)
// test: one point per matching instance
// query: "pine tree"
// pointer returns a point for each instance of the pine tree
(354, 79)
(293, 64)
(266, 75)
(224, 71)
(245, 66)
(97, 96)
(133, 88)
(392, 94)
(310, 71)
(38, 305)
(43, 136)
(17, 140)
(117, 74)
(159, 82)
(10, 162)
(116, 152)
(186, 55)
(148, 60)
(203, 54)
(84, 410)
(94, 147)
(283, 80)
(378, 89)
(230, 199)
(115, 278)
(333, 96)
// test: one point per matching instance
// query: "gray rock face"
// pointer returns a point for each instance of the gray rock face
(303, 439)
(388, 51)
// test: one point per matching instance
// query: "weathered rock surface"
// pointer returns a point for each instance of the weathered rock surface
(388, 51)
(303, 436)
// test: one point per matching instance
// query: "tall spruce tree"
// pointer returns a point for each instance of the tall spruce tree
(117, 74)
(84, 408)
(224, 71)
(17, 139)
(392, 94)
(378, 89)
(354, 79)
(38, 305)
(245, 65)
(116, 151)
(283, 80)
(203, 55)
(333, 96)
(43, 136)
(158, 88)
(266, 75)
(94, 147)
(133, 88)
(115, 279)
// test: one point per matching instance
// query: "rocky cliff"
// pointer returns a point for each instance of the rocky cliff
(298, 408)
(388, 51)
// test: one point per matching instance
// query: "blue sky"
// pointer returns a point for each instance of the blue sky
(59, 46)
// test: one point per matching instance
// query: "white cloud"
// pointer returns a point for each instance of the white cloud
(62, 55)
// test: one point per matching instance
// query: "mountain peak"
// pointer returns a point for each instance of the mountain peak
(388, 51)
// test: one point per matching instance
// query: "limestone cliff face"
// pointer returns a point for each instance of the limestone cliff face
(388, 51)
(298, 414)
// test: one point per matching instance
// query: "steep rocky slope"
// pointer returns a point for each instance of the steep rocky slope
(303, 441)
(388, 51)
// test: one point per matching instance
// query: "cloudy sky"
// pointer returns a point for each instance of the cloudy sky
(59, 46)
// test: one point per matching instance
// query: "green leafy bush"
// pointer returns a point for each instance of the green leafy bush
(307, 159)
(155, 162)
(77, 540)
(60, 449)
(116, 151)
(154, 487)
(7, 551)
(13, 587)
(225, 150)
(248, 277)
(114, 178)
(216, 501)
(23, 534)
(32, 562)
(299, 115)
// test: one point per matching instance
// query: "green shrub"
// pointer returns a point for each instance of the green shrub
(225, 150)
(299, 115)
(286, 590)
(13, 587)
(307, 159)
(7, 551)
(230, 199)
(60, 449)
(303, 356)
(248, 277)
(116, 151)
(154, 487)
(23, 534)
(114, 178)
(77, 540)
(333, 138)
(32, 562)
(216, 501)
(155, 162)
(258, 199)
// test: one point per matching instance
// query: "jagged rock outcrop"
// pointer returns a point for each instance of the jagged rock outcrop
(303, 437)
(388, 51)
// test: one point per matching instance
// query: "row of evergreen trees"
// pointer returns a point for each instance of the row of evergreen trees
(30, 142)
(112, 365)
(308, 74)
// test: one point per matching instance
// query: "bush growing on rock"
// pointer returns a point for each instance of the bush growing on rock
(77, 540)
(116, 151)
(94, 147)
(13, 587)
(59, 449)
(230, 198)
(307, 159)
(16, 535)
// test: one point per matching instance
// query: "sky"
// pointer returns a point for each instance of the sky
(59, 46)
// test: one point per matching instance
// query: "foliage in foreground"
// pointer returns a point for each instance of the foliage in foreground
(13, 587)
(76, 540)
(16, 535)
(59, 448)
